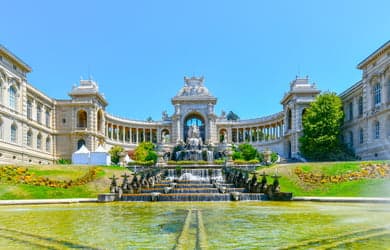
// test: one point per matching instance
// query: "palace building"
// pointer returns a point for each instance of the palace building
(37, 129)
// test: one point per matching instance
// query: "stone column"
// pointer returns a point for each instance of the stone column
(131, 135)
(158, 135)
(150, 135)
(137, 137)
(123, 134)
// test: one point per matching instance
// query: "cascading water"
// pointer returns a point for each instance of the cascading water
(202, 175)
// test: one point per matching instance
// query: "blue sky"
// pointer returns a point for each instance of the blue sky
(139, 51)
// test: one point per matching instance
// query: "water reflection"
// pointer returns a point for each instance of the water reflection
(227, 225)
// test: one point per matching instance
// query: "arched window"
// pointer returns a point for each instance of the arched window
(197, 121)
(12, 97)
(377, 93)
(350, 111)
(29, 138)
(360, 105)
(48, 145)
(165, 137)
(47, 118)
(82, 119)
(350, 139)
(14, 130)
(80, 143)
(223, 135)
(361, 136)
(29, 109)
(39, 113)
(99, 120)
(377, 130)
(39, 141)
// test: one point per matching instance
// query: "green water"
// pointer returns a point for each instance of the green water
(208, 225)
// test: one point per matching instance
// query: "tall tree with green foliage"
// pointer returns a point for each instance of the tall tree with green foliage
(145, 152)
(322, 123)
(114, 152)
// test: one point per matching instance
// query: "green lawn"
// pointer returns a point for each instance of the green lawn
(60, 172)
(378, 187)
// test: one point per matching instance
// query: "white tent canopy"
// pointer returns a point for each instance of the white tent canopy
(81, 156)
(100, 157)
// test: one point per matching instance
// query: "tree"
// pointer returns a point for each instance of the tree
(231, 116)
(322, 123)
(246, 152)
(145, 152)
(114, 152)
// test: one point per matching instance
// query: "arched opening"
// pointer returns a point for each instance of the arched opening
(48, 145)
(289, 119)
(12, 97)
(81, 119)
(191, 121)
(29, 138)
(165, 136)
(39, 141)
(99, 120)
(14, 130)
(80, 143)
(350, 143)
(223, 136)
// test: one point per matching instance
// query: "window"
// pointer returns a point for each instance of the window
(47, 118)
(80, 143)
(48, 144)
(361, 136)
(1, 128)
(29, 138)
(39, 113)
(360, 105)
(39, 141)
(13, 133)
(350, 109)
(29, 109)
(350, 139)
(377, 94)
(12, 97)
(377, 130)
(82, 119)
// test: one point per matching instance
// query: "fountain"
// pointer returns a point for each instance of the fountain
(193, 149)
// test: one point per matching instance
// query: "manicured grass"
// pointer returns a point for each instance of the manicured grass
(379, 187)
(61, 172)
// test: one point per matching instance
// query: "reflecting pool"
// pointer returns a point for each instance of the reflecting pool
(208, 225)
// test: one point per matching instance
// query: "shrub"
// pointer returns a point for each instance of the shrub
(63, 161)
(219, 162)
